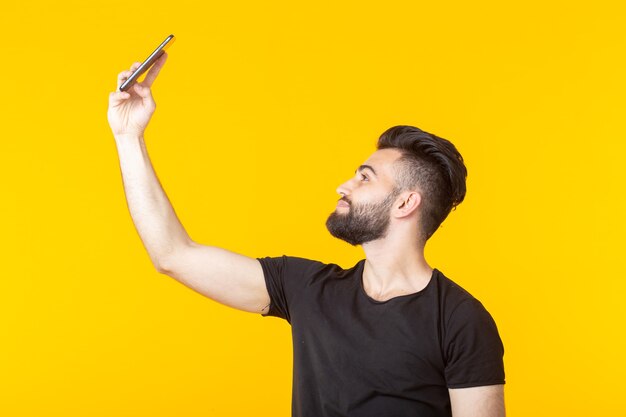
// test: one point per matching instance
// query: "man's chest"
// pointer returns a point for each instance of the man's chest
(392, 347)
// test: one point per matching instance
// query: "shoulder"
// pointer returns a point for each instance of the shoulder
(298, 265)
(458, 305)
(471, 345)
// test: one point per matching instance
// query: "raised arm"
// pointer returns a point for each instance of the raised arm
(484, 401)
(224, 276)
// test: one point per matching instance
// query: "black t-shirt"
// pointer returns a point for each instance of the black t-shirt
(358, 357)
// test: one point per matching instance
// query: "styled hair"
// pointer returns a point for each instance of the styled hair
(430, 165)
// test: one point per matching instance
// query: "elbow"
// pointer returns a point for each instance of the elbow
(161, 270)
(167, 263)
(163, 266)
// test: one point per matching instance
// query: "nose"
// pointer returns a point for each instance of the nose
(344, 189)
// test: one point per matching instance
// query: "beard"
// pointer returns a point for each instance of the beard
(363, 222)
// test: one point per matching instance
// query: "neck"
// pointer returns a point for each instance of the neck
(394, 266)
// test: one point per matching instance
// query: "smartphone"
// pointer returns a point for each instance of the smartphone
(145, 65)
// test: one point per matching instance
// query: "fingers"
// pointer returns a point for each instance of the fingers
(154, 70)
(117, 97)
(144, 92)
(142, 89)
(123, 76)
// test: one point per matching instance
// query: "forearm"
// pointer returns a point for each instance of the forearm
(152, 213)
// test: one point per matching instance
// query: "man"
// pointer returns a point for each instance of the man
(390, 336)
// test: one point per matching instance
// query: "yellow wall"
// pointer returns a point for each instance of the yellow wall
(263, 109)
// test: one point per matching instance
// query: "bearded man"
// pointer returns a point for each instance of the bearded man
(389, 337)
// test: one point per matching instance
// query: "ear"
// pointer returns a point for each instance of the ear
(407, 203)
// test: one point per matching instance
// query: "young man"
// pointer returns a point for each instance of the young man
(390, 336)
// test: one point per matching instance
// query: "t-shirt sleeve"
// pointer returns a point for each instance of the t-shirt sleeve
(285, 279)
(473, 351)
(273, 268)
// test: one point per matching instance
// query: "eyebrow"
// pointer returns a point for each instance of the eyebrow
(362, 167)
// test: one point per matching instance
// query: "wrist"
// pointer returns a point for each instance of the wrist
(128, 136)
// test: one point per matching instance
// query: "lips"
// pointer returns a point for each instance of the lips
(342, 203)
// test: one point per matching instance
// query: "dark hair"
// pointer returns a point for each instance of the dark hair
(431, 165)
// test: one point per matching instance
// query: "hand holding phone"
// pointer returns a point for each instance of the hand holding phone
(130, 111)
(147, 63)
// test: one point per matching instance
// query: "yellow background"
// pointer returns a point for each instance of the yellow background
(263, 109)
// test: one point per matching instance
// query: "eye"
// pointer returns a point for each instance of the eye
(364, 177)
